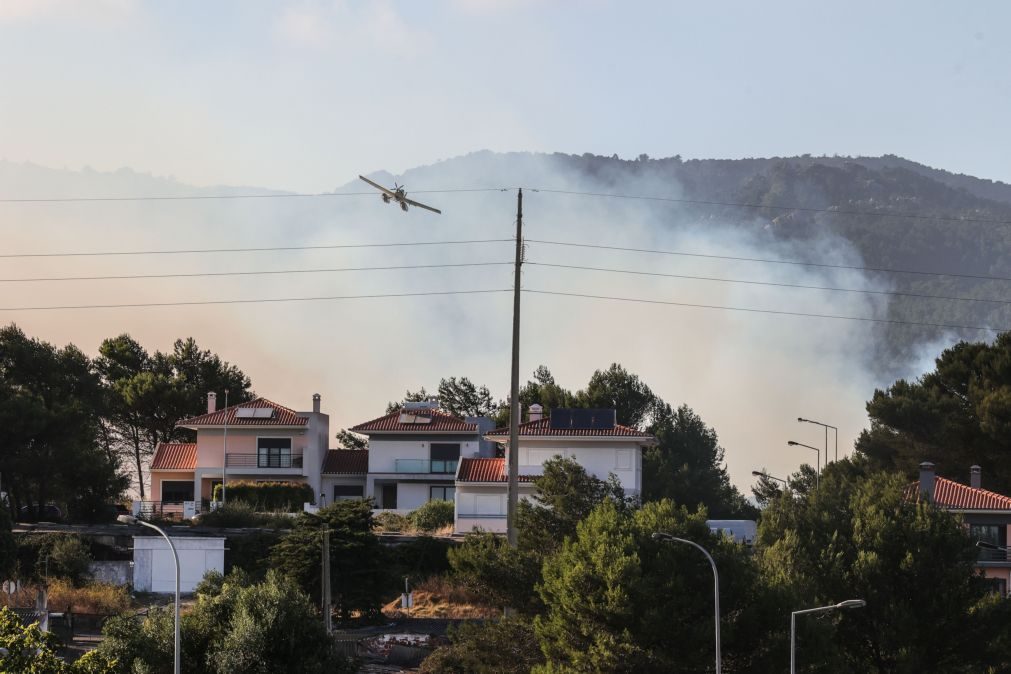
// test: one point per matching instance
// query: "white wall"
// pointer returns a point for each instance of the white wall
(624, 459)
(154, 567)
(484, 507)
(383, 453)
(411, 495)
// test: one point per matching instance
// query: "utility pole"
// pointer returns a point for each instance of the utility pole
(224, 452)
(325, 582)
(513, 456)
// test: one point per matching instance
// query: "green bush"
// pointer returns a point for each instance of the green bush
(56, 555)
(391, 523)
(507, 646)
(433, 515)
(239, 514)
(268, 496)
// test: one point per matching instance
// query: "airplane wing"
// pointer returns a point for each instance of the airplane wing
(378, 186)
(420, 205)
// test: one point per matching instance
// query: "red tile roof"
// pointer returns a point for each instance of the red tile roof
(542, 427)
(957, 496)
(485, 470)
(390, 423)
(282, 416)
(346, 462)
(175, 456)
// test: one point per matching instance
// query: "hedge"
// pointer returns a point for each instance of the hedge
(268, 496)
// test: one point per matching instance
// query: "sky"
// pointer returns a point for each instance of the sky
(113, 95)
(306, 95)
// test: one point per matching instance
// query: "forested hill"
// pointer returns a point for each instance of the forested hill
(787, 200)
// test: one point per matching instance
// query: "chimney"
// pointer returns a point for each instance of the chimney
(315, 403)
(212, 402)
(927, 480)
(536, 412)
(976, 477)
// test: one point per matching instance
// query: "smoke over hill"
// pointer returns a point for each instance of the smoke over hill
(748, 374)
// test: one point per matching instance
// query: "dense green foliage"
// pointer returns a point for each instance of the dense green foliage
(459, 397)
(39, 556)
(268, 496)
(8, 545)
(506, 646)
(356, 557)
(51, 406)
(504, 576)
(148, 393)
(241, 514)
(29, 651)
(236, 627)
(619, 601)
(955, 416)
(858, 536)
(433, 515)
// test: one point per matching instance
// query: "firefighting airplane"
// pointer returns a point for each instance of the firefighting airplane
(399, 195)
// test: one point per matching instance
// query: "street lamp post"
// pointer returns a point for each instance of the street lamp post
(826, 427)
(660, 536)
(849, 603)
(817, 475)
(130, 519)
(758, 473)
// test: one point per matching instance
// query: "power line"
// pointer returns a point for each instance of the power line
(192, 251)
(252, 273)
(798, 263)
(805, 209)
(260, 300)
(209, 197)
(766, 311)
(770, 283)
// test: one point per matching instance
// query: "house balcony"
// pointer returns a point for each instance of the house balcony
(264, 462)
(425, 466)
(995, 556)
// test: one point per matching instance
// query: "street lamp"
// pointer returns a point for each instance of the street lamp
(826, 426)
(849, 603)
(660, 536)
(130, 519)
(817, 475)
(758, 473)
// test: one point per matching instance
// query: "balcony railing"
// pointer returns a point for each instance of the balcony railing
(293, 460)
(996, 554)
(426, 466)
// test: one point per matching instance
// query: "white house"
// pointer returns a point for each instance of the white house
(591, 437)
(414, 453)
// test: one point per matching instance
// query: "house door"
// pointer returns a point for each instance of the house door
(389, 496)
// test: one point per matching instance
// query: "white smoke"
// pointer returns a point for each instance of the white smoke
(750, 375)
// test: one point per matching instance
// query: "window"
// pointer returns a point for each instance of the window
(997, 586)
(176, 491)
(444, 457)
(441, 493)
(348, 492)
(623, 459)
(273, 452)
(988, 533)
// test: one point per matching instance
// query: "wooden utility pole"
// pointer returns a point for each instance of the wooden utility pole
(513, 456)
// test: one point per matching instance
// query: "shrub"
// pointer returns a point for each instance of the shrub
(433, 515)
(391, 523)
(269, 496)
(505, 647)
(91, 598)
(240, 514)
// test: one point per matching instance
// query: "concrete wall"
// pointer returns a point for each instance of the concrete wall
(329, 481)
(154, 567)
(624, 459)
(484, 507)
(384, 450)
(114, 573)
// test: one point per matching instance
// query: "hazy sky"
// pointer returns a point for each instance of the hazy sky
(305, 95)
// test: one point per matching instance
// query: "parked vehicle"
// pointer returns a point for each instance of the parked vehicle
(50, 512)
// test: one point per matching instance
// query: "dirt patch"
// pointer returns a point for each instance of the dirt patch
(439, 598)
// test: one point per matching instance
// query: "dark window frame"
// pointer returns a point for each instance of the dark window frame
(448, 493)
(359, 489)
(443, 457)
(269, 455)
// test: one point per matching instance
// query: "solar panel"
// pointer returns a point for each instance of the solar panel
(582, 419)
(245, 412)
(415, 417)
(263, 412)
